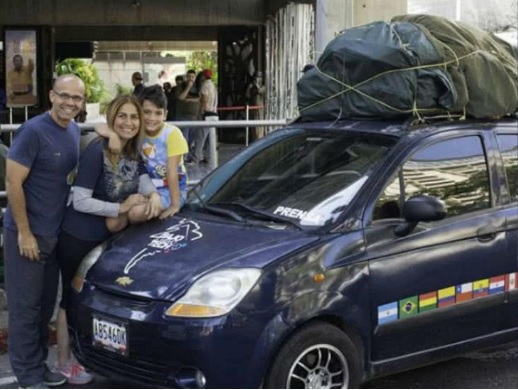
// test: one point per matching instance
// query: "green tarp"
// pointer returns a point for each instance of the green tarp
(417, 64)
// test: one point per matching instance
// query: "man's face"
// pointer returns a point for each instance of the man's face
(136, 79)
(191, 77)
(67, 99)
(18, 62)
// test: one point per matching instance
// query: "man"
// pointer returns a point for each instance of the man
(41, 165)
(205, 138)
(171, 101)
(188, 105)
(138, 82)
(255, 97)
(19, 85)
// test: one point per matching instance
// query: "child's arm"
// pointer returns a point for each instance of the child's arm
(174, 186)
(114, 141)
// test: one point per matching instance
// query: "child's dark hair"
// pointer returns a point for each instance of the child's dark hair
(155, 94)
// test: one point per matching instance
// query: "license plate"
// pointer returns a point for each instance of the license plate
(111, 335)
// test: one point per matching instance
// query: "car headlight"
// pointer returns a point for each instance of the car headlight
(215, 294)
(88, 261)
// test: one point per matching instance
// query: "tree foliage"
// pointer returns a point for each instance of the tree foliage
(94, 87)
(199, 60)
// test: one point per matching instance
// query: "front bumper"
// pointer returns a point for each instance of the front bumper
(230, 351)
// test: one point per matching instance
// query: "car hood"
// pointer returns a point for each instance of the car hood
(160, 259)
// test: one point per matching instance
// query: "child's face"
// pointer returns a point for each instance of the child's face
(154, 117)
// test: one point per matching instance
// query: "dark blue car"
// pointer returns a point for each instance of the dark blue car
(322, 256)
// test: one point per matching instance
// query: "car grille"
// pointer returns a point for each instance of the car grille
(113, 366)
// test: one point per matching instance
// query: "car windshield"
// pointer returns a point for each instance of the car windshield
(305, 177)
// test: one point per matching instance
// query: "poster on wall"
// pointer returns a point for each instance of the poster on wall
(20, 67)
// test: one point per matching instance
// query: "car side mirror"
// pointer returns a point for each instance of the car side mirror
(420, 208)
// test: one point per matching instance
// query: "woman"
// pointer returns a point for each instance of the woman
(105, 194)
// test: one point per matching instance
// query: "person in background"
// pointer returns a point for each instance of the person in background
(208, 112)
(255, 98)
(41, 164)
(138, 83)
(171, 101)
(188, 104)
(107, 190)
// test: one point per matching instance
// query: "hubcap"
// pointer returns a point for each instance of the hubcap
(321, 366)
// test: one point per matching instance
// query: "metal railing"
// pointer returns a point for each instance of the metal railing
(90, 127)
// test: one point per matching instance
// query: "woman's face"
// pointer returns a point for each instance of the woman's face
(127, 122)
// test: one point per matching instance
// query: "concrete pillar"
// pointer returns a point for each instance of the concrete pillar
(332, 16)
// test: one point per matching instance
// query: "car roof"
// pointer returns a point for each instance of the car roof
(409, 127)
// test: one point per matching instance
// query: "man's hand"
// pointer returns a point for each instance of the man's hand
(169, 212)
(28, 246)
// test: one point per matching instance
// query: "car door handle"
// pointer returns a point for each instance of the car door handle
(486, 233)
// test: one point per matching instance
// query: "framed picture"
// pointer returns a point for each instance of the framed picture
(20, 67)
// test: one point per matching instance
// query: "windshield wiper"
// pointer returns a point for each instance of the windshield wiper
(217, 210)
(265, 214)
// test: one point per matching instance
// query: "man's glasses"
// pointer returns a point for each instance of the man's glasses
(66, 96)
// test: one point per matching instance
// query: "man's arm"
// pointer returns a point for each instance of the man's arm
(183, 95)
(16, 174)
(204, 106)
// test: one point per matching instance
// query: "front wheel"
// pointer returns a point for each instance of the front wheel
(318, 356)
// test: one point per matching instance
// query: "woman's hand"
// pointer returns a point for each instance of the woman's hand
(169, 212)
(154, 206)
(131, 201)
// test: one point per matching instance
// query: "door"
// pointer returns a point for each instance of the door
(445, 281)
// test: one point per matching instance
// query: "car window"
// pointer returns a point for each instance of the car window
(454, 170)
(308, 176)
(508, 145)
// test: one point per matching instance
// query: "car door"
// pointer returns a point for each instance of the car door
(444, 282)
(507, 158)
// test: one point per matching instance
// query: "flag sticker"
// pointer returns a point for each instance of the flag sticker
(408, 307)
(497, 284)
(427, 301)
(511, 281)
(480, 288)
(464, 292)
(387, 313)
(446, 296)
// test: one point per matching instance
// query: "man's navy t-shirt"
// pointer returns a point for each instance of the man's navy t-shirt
(51, 152)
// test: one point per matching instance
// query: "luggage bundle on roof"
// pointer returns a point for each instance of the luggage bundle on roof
(419, 65)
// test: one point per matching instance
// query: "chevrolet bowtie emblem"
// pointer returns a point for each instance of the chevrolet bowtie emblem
(124, 280)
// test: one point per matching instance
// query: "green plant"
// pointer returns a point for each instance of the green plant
(94, 87)
(123, 90)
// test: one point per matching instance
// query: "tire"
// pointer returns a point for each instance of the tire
(318, 356)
